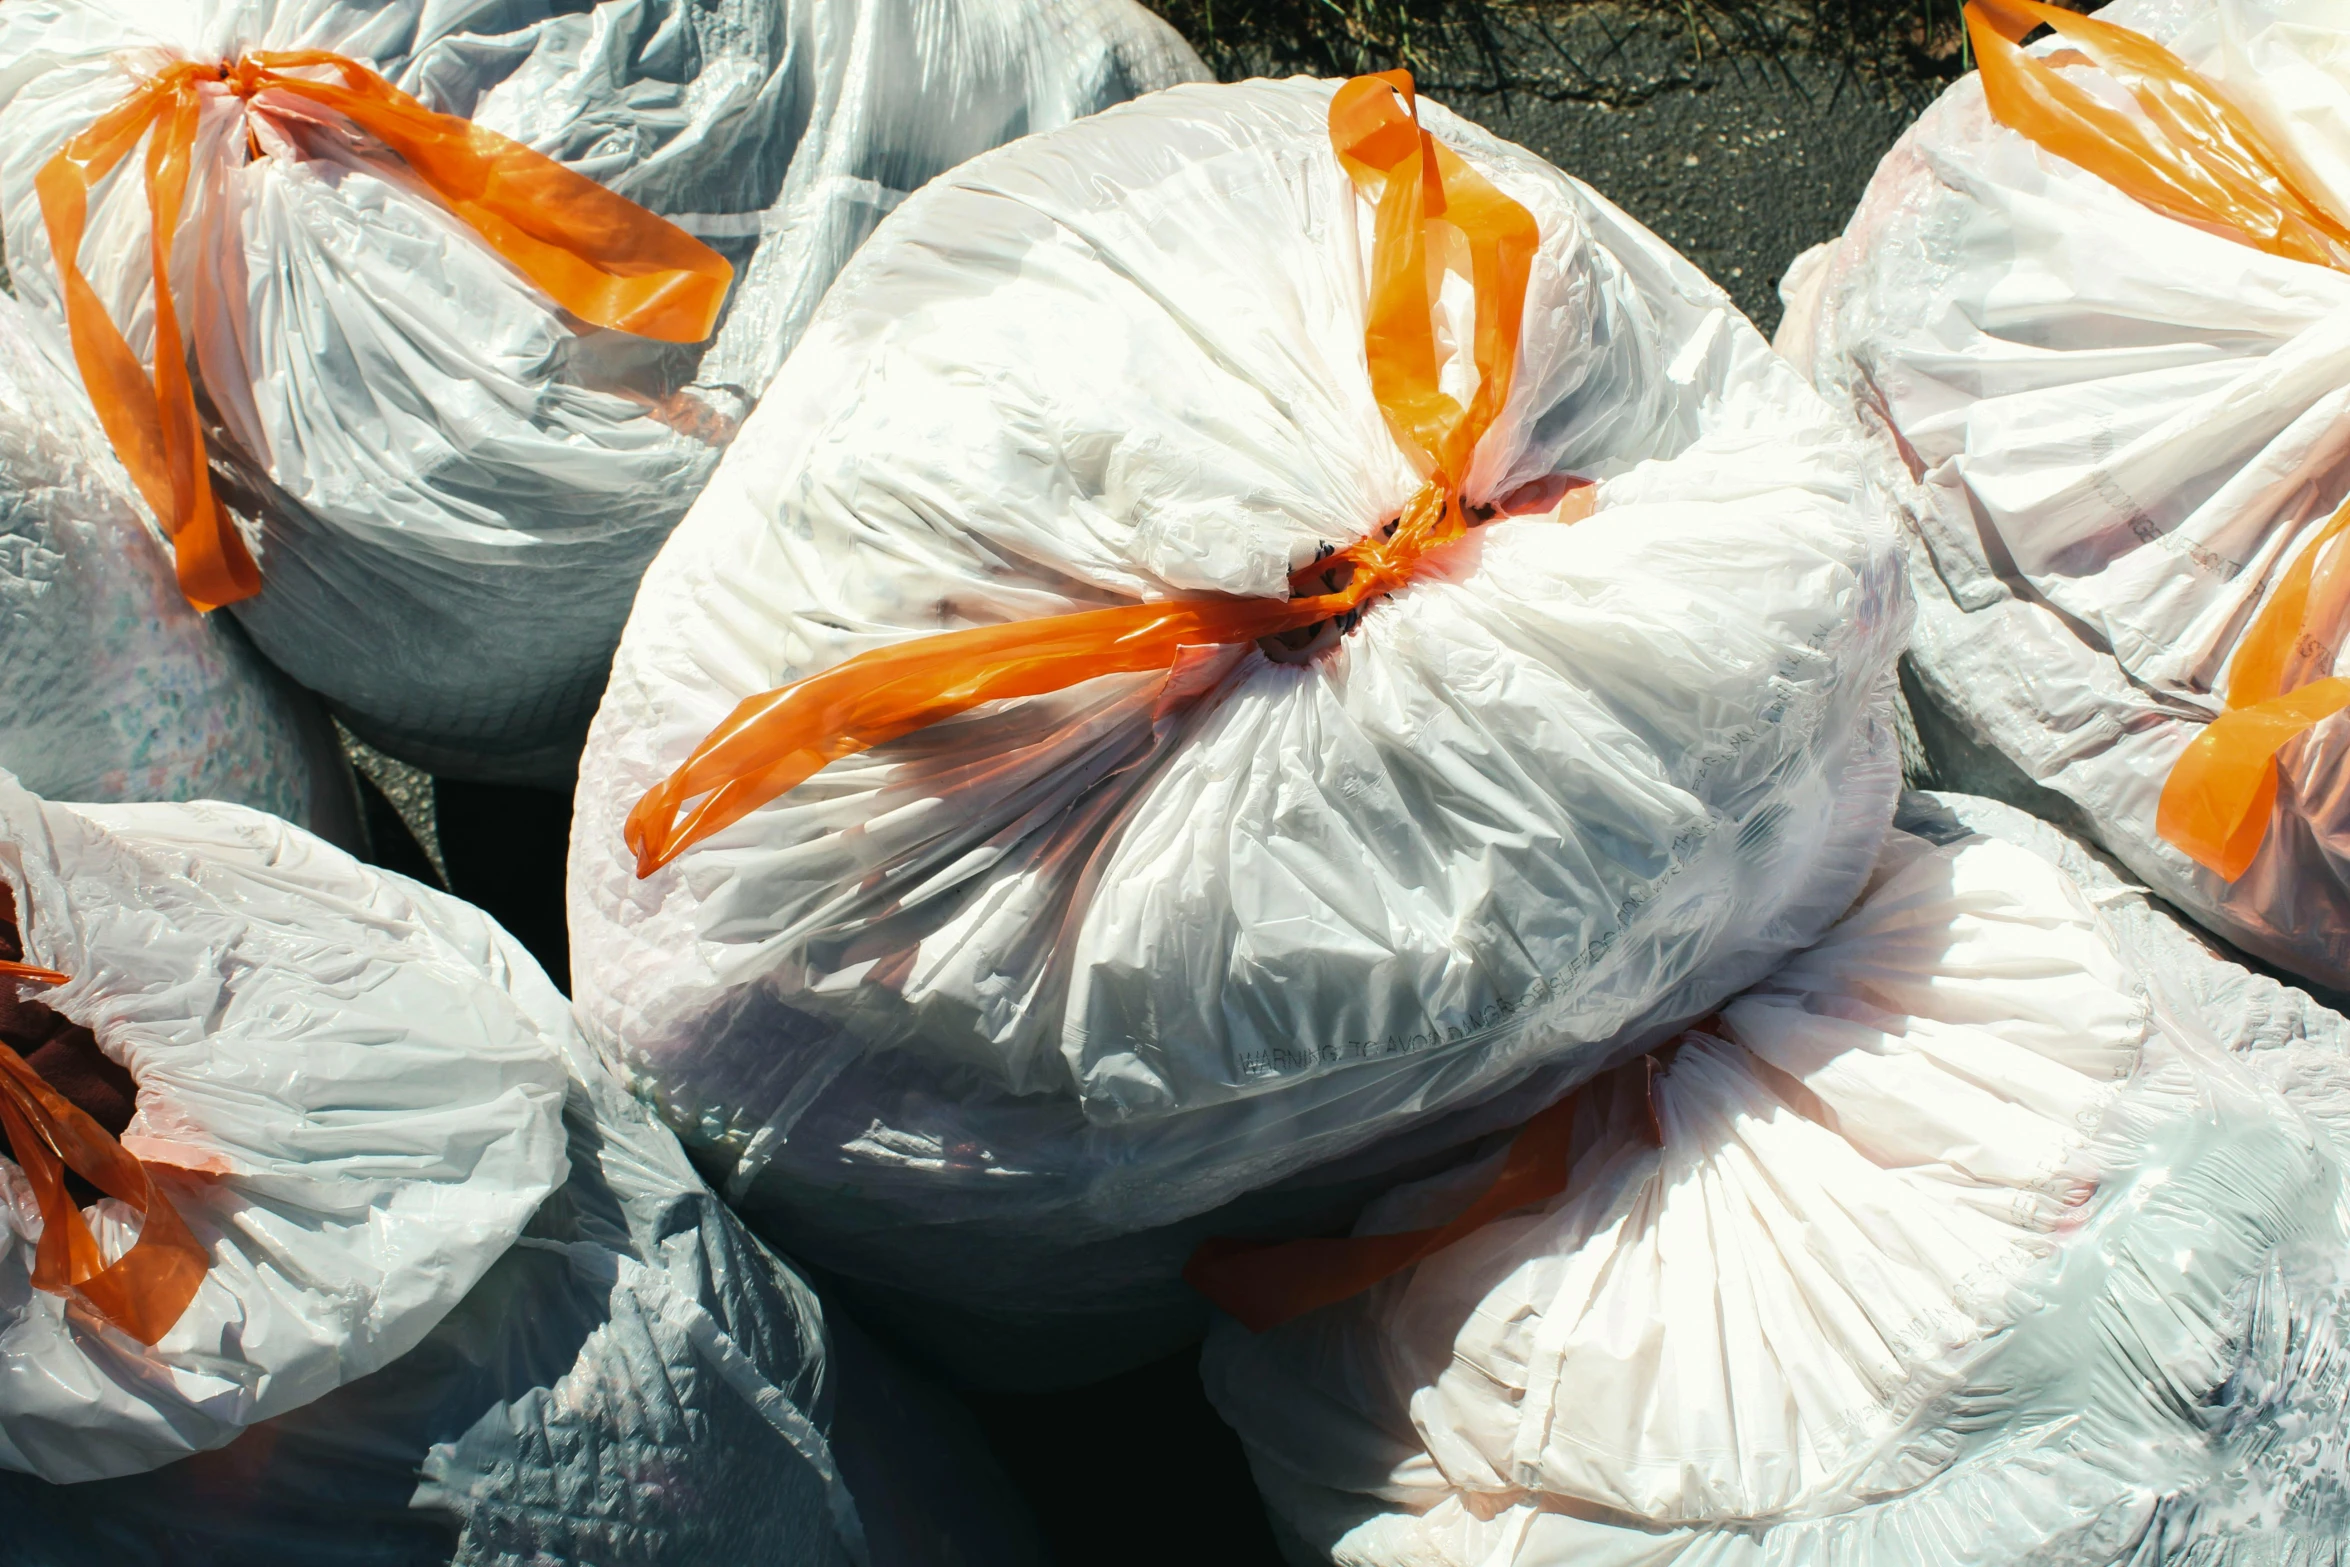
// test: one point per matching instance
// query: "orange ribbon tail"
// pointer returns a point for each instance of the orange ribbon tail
(2198, 156)
(1263, 1284)
(145, 1290)
(598, 255)
(773, 742)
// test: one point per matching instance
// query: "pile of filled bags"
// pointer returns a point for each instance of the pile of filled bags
(1268, 725)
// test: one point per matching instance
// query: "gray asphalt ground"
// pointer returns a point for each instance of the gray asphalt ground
(1738, 159)
(408, 790)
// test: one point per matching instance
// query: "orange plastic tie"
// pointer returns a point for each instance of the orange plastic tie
(145, 1290)
(773, 742)
(1262, 1284)
(2200, 158)
(598, 255)
(2221, 794)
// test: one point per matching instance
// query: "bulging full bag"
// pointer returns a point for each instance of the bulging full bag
(2005, 1224)
(462, 1298)
(1015, 978)
(437, 274)
(345, 1114)
(2096, 306)
(111, 687)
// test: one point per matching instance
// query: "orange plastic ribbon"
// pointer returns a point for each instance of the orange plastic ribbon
(145, 1290)
(773, 742)
(2221, 793)
(1263, 1284)
(2202, 160)
(598, 255)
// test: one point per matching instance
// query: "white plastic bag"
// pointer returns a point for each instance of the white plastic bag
(455, 483)
(635, 1380)
(111, 687)
(340, 1092)
(1989, 1229)
(2123, 431)
(1070, 968)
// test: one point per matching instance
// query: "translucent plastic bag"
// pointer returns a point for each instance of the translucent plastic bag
(341, 1096)
(2106, 363)
(452, 482)
(633, 1380)
(968, 1013)
(111, 687)
(2004, 1224)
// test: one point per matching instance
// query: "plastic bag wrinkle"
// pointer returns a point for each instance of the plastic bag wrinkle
(335, 1241)
(1006, 981)
(382, 507)
(2156, 1444)
(117, 690)
(2117, 467)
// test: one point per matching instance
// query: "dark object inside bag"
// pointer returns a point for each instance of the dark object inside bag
(63, 1052)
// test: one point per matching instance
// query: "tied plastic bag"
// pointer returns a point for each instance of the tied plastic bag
(339, 1096)
(976, 1015)
(633, 1380)
(451, 482)
(2004, 1224)
(2096, 320)
(111, 687)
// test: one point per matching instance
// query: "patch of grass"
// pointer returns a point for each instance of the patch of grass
(1477, 42)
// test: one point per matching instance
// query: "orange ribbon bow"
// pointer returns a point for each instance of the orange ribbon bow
(773, 742)
(598, 255)
(2201, 159)
(145, 1290)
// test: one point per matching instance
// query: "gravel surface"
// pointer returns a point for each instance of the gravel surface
(1738, 160)
(408, 790)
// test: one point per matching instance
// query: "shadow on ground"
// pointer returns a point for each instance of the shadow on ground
(1137, 1471)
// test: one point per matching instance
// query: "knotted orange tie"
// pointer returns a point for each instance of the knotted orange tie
(598, 255)
(773, 742)
(145, 1290)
